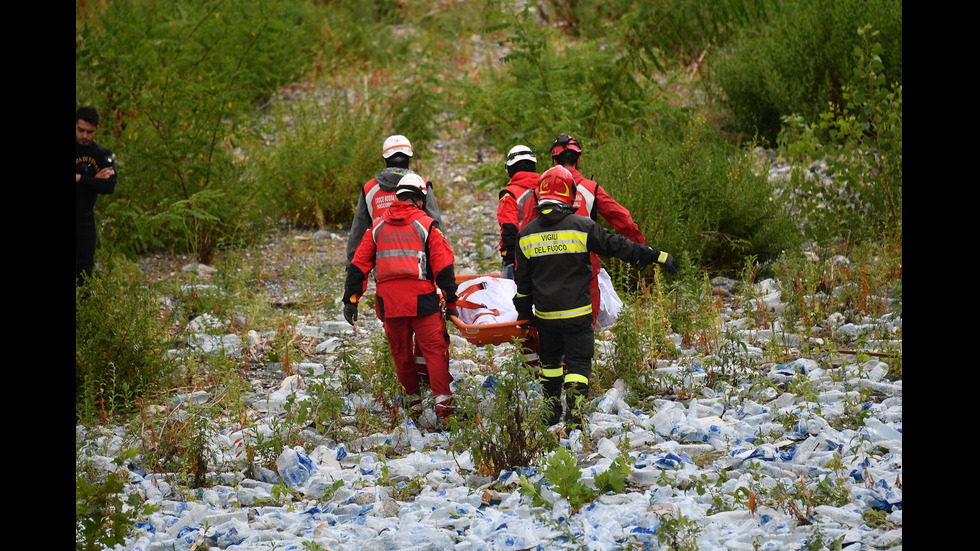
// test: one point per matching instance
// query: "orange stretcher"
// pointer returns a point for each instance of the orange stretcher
(488, 333)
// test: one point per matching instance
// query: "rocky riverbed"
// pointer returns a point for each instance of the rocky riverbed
(770, 465)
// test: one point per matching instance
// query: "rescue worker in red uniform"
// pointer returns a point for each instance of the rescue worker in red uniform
(553, 270)
(411, 258)
(379, 192)
(591, 200)
(522, 168)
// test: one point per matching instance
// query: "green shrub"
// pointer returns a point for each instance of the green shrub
(322, 154)
(502, 421)
(639, 339)
(861, 141)
(548, 85)
(172, 80)
(802, 60)
(120, 341)
(699, 198)
(104, 512)
(563, 473)
(681, 30)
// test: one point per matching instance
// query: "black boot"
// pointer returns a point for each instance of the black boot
(575, 396)
(552, 397)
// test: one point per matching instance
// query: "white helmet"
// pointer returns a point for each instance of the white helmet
(396, 144)
(519, 153)
(413, 184)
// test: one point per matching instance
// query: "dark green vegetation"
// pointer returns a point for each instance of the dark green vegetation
(229, 117)
(213, 139)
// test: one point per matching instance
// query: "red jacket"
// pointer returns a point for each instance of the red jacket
(375, 198)
(591, 201)
(411, 257)
(508, 214)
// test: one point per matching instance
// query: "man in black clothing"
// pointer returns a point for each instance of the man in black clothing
(553, 269)
(94, 175)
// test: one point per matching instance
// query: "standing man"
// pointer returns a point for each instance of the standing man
(553, 272)
(593, 201)
(94, 175)
(522, 168)
(411, 258)
(379, 192)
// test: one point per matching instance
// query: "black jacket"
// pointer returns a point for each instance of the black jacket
(553, 268)
(89, 160)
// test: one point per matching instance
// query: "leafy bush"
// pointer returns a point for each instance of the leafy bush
(548, 85)
(683, 30)
(639, 338)
(801, 61)
(502, 421)
(322, 154)
(172, 80)
(861, 141)
(104, 512)
(120, 340)
(700, 199)
(563, 473)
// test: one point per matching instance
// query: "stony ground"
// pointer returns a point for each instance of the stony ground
(693, 456)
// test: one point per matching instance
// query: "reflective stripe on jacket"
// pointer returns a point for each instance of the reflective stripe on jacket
(400, 250)
(554, 262)
(411, 257)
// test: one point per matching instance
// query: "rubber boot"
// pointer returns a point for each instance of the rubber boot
(552, 396)
(575, 396)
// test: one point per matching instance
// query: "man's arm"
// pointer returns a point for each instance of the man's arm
(104, 181)
(618, 216)
(432, 206)
(355, 283)
(360, 224)
(507, 220)
(442, 261)
(524, 299)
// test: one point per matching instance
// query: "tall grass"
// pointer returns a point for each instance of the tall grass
(802, 60)
(120, 339)
(699, 198)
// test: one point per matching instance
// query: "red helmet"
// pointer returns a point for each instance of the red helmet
(556, 184)
(563, 142)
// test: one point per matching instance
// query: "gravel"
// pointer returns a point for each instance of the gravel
(700, 464)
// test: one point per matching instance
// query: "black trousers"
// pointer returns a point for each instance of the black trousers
(85, 241)
(572, 339)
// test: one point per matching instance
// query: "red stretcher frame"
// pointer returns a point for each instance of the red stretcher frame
(482, 334)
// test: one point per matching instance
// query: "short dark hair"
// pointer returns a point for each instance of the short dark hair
(522, 166)
(398, 160)
(567, 157)
(87, 114)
